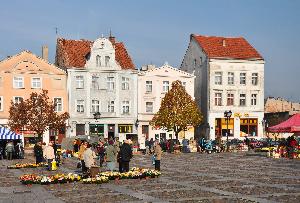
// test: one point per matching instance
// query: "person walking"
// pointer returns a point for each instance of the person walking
(10, 150)
(49, 155)
(80, 156)
(38, 152)
(89, 158)
(111, 155)
(125, 155)
(157, 154)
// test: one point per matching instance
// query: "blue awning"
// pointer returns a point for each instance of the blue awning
(6, 134)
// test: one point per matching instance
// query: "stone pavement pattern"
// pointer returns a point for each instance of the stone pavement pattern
(227, 177)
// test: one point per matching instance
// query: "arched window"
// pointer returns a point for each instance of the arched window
(98, 61)
(107, 60)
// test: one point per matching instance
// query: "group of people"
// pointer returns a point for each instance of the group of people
(45, 153)
(11, 150)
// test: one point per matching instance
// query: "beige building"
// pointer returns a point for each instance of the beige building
(274, 105)
(24, 73)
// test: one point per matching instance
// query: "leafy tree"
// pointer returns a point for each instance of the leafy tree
(177, 110)
(37, 113)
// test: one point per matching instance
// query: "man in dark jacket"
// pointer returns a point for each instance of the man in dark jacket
(38, 152)
(125, 155)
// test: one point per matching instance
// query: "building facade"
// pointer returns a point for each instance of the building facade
(24, 73)
(153, 84)
(229, 76)
(101, 78)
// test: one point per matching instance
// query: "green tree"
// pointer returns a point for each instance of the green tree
(37, 113)
(177, 111)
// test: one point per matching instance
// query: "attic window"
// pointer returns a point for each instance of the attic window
(98, 61)
(107, 58)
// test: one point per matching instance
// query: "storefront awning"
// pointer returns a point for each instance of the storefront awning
(6, 134)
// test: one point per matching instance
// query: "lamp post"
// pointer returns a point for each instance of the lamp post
(227, 115)
(96, 117)
(137, 123)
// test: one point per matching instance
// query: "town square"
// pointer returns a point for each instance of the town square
(149, 101)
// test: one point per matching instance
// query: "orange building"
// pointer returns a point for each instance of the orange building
(24, 73)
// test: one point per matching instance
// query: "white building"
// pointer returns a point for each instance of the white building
(101, 78)
(153, 84)
(229, 76)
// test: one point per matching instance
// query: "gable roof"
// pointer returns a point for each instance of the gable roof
(72, 53)
(227, 47)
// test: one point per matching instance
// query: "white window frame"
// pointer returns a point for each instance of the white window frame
(218, 98)
(18, 82)
(125, 107)
(34, 82)
(148, 86)
(253, 100)
(79, 82)
(107, 61)
(243, 78)
(111, 106)
(110, 83)
(218, 78)
(243, 98)
(125, 83)
(1, 103)
(17, 102)
(95, 105)
(98, 61)
(254, 79)
(95, 84)
(56, 108)
(149, 108)
(166, 87)
(80, 105)
(230, 96)
(230, 78)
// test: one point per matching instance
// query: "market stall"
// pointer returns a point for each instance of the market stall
(6, 134)
(291, 125)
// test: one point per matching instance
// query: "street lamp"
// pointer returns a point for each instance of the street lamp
(137, 123)
(96, 117)
(227, 115)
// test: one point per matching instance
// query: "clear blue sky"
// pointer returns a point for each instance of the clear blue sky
(156, 31)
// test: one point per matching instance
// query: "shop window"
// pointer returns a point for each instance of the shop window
(248, 127)
(125, 128)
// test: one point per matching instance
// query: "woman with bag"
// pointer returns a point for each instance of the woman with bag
(80, 155)
(89, 158)
(157, 154)
(49, 155)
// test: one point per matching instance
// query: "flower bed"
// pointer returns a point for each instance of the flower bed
(134, 173)
(27, 165)
(41, 179)
(96, 180)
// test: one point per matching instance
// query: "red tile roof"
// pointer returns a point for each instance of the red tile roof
(72, 53)
(227, 47)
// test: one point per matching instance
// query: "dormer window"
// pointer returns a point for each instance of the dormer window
(107, 58)
(98, 61)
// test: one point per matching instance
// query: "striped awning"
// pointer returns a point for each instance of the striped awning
(6, 134)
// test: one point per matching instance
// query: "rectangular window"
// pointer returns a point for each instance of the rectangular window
(110, 83)
(17, 100)
(79, 82)
(218, 78)
(230, 99)
(184, 84)
(1, 103)
(111, 106)
(95, 106)
(95, 84)
(58, 104)
(254, 78)
(148, 86)
(165, 86)
(123, 128)
(253, 99)
(242, 99)
(125, 107)
(149, 107)
(243, 78)
(80, 106)
(18, 82)
(125, 83)
(218, 99)
(36, 83)
(230, 78)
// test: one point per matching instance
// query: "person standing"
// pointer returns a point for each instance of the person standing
(111, 155)
(89, 157)
(125, 155)
(75, 146)
(101, 152)
(157, 154)
(10, 150)
(38, 152)
(80, 155)
(49, 155)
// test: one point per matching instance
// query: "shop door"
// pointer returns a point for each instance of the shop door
(111, 131)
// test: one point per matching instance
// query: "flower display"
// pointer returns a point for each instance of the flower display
(53, 179)
(27, 165)
(134, 173)
(96, 180)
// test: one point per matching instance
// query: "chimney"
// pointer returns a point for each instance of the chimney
(45, 52)
(224, 43)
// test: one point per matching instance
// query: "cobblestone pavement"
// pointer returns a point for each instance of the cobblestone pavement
(227, 177)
